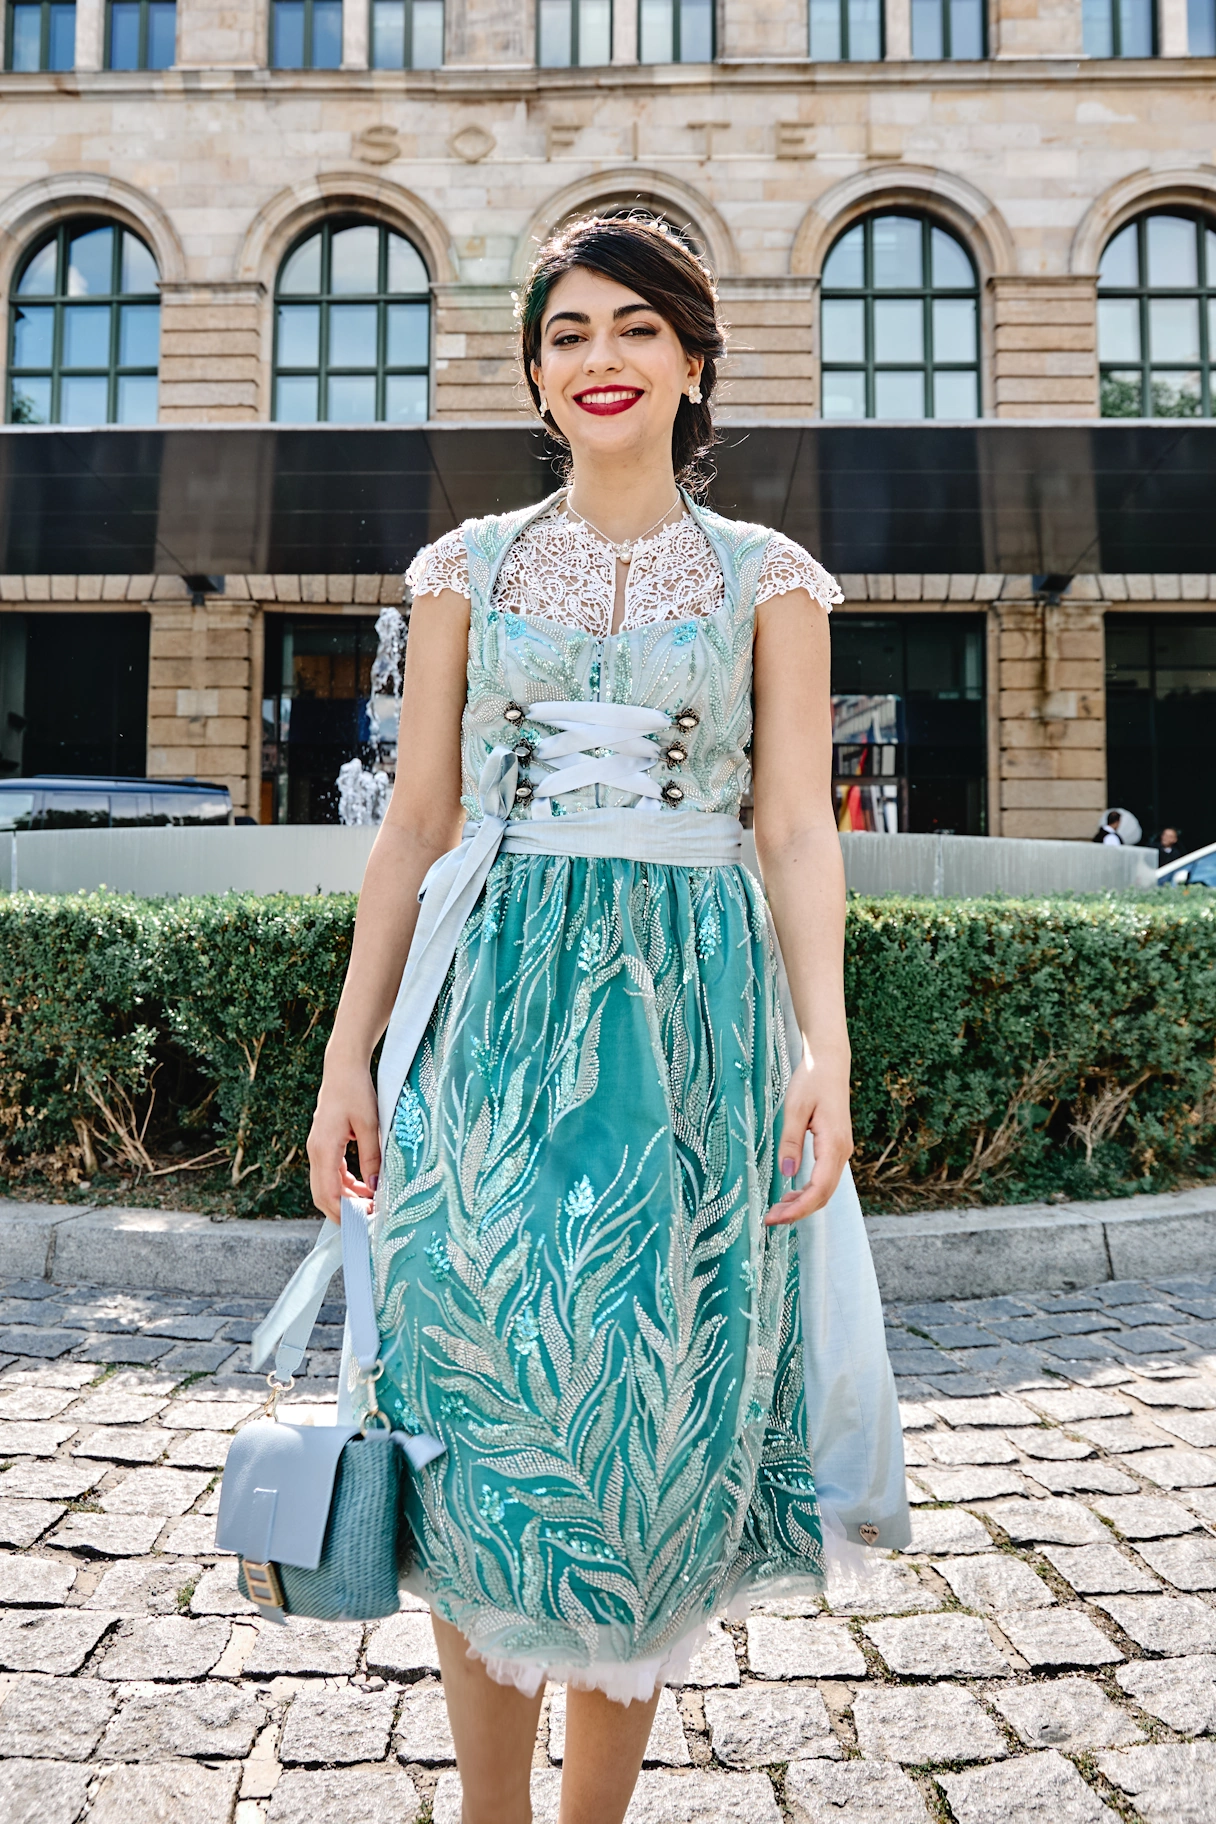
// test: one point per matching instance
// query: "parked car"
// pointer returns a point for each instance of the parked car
(64, 803)
(1198, 869)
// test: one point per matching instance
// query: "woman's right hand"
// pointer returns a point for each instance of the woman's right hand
(346, 1110)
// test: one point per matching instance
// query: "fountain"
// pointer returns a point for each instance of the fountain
(364, 791)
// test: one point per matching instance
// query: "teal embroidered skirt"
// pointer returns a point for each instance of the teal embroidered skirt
(576, 1291)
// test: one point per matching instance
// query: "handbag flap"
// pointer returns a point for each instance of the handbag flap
(277, 1489)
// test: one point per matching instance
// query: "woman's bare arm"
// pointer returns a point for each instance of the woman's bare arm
(799, 854)
(422, 823)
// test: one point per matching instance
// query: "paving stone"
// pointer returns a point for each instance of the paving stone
(54, 1481)
(118, 1408)
(216, 1593)
(208, 1415)
(958, 1336)
(33, 1402)
(123, 1443)
(1025, 1790)
(55, 1719)
(37, 1339)
(340, 1795)
(337, 1726)
(197, 1358)
(994, 1581)
(970, 1445)
(1202, 1500)
(1045, 1444)
(143, 1589)
(1146, 1516)
(41, 1792)
(403, 1644)
(1083, 1348)
(761, 1724)
(1189, 1563)
(928, 1723)
(1147, 1342)
(49, 1640)
(215, 1719)
(1071, 1714)
(1121, 1435)
(33, 1437)
(937, 1646)
(1172, 1625)
(199, 1449)
(851, 1792)
(1025, 1329)
(109, 1535)
(778, 1648)
(1139, 1314)
(21, 1522)
(1098, 1570)
(995, 1409)
(423, 1733)
(915, 1417)
(1178, 1468)
(666, 1746)
(1053, 1520)
(1067, 1404)
(1182, 1692)
(913, 1361)
(889, 1588)
(34, 1581)
(165, 1646)
(1083, 1478)
(155, 1491)
(167, 1792)
(971, 1484)
(1063, 1637)
(51, 1374)
(1195, 1396)
(303, 1645)
(948, 1530)
(1174, 1783)
(194, 1535)
(1197, 1428)
(201, 1327)
(714, 1663)
(123, 1349)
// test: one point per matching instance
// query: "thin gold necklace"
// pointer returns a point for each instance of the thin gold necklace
(626, 547)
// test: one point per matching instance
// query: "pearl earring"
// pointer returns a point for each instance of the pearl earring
(694, 394)
(544, 405)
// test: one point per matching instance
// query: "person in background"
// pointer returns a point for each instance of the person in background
(1108, 831)
(1167, 845)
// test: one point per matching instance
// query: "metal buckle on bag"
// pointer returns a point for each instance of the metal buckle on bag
(262, 1582)
(373, 1418)
(271, 1408)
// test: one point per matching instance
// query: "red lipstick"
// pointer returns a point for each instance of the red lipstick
(606, 401)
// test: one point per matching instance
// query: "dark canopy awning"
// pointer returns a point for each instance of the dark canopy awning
(1016, 497)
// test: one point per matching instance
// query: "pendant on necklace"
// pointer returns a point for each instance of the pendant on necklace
(624, 552)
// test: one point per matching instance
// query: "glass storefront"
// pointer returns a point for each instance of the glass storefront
(314, 711)
(74, 694)
(1161, 722)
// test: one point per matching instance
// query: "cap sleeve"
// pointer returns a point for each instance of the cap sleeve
(443, 565)
(787, 566)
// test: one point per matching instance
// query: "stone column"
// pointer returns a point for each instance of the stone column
(624, 31)
(356, 34)
(1045, 360)
(221, 34)
(1171, 28)
(898, 26)
(90, 34)
(1052, 703)
(1037, 28)
(211, 355)
(199, 676)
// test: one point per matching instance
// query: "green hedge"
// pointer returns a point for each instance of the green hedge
(1003, 1049)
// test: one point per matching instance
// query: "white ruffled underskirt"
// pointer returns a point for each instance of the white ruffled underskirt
(849, 1569)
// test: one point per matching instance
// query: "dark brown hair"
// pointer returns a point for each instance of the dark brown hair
(643, 253)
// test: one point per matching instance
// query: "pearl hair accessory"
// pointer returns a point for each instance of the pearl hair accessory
(694, 394)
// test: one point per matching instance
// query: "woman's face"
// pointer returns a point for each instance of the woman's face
(611, 368)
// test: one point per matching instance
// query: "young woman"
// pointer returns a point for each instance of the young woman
(591, 1289)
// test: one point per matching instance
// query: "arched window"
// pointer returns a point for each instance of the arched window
(900, 319)
(84, 329)
(1157, 318)
(352, 328)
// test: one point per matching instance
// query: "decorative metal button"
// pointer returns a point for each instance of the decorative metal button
(524, 751)
(676, 754)
(672, 793)
(686, 720)
(514, 714)
(525, 791)
(869, 1532)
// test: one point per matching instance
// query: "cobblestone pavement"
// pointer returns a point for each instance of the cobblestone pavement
(1046, 1649)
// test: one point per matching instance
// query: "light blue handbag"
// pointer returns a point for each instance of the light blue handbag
(315, 1511)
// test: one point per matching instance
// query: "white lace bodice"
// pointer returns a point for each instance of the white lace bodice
(561, 570)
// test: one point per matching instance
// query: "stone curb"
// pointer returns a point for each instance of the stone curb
(936, 1254)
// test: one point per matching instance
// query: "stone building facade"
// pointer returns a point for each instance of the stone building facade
(1032, 158)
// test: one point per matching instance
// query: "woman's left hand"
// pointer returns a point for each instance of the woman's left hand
(817, 1101)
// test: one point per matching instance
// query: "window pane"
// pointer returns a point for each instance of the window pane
(1176, 396)
(355, 260)
(1118, 329)
(27, 38)
(352, 399)
(352, 335)
(966, 29)
(844, 329)
(62, 55)
(326, 34)
(845, 269)
(1097, 31)
(405, 399)
(138, 267)
(428, 35)
(594, 32)
(696, 31)
(1120, 264)
(1173, 329)
(1172, 251)
(899, 395)
(655, 28)
(287, 38)
(927, 28)
(139, 335)
(407, 335)
(91, 263)
(38, 279)
(825, 31)
(33, 334)
(299, 343)
(162, 35)
(955, 396)
(124, 35)
(1121, 396)
(302, 270)
(83, 400)
(954, 329)
(1136, 24)
(137, 399)
(554, 33)
(844, 395)
(388, 35)
(295, 399)
(865, 31)
(1201, 28)
(951, 267)
(405, 269)
(86, 335)
(897, 252)
(899, 329)
(31, 401)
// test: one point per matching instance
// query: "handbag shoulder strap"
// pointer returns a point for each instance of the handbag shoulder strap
(286, 1331)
